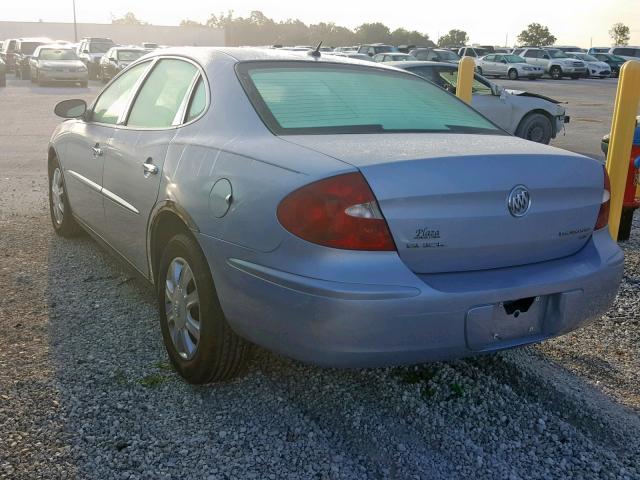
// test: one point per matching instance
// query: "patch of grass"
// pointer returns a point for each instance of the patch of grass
(416, 374)
(120, 378)
(457, 390)
(164, 366)
(152, 381)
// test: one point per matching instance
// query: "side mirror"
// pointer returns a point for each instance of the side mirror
(74, 108)
(85, 51)
(370, 54)
(546, 57)
(503, 61)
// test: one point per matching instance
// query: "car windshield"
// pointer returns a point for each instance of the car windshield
(403, 58)
(586, 57)
(129, 55)
(328, 99)
(481, 52)
(57, 54)
(557, 54)
(447, 55)
(514, 59)
(99, 47)
(451, 78)
(385, 48)
(27, 48)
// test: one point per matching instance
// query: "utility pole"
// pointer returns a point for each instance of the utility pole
(75, 25)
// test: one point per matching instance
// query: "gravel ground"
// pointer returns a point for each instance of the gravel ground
(86, 391)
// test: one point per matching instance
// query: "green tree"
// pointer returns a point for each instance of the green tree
(401, 36)
(620, 34)
(190, 23)
(373, 33)
(128, 19)
(536, 34)
(453, 37)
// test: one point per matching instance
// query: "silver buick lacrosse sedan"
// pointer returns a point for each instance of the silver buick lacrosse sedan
(336, 211)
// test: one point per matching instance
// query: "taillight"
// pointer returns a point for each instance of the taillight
(338, 212)
(603, 214)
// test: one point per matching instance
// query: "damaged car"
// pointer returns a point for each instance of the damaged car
(527, 115)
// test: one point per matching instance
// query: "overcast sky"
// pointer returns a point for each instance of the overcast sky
(489, 22)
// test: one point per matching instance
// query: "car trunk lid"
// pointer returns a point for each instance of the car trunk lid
(445, 196)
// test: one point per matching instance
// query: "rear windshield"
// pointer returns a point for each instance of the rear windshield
(95, 47)
(57, 54)
(27, 48)
(129, 55)
(333, 99)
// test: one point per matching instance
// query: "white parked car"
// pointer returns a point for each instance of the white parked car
(527, 115)
(628, 53)
(595, 67)
(511, 66)
(555, 62)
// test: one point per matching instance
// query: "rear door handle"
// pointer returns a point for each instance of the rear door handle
(149, 168)
(97, 151)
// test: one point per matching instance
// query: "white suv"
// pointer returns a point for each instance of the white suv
(555, 62)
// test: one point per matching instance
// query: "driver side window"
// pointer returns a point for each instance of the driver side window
(112, 102)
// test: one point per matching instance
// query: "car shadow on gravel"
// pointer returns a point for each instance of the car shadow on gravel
(129, 415)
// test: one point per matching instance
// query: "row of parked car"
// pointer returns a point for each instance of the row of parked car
(522, 62)
(43, 60)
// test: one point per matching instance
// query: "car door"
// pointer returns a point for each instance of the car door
(132, 173)
(488, 65)
(85, 149)
(496, 108)
(500, 65)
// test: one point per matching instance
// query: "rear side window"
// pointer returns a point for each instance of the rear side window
(114, 99)
(198, 101)
(162, 94)
(329, 99)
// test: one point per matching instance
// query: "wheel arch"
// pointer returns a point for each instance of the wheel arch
(52, 155)
(167, 219)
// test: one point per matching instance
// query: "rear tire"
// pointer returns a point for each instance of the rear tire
(555, 73)
(513, 74)
(535, 127)
(59, 208)
(215, 352)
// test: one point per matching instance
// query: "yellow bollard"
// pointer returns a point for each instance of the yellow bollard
(466, 68)
(622, 129)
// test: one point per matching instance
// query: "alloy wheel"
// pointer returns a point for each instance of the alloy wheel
(182, 307)
(57, 196)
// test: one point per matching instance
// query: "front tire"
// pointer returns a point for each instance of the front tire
(535, 127)
(200, 343)
(63, 222)
(555, 73)
(513, 74)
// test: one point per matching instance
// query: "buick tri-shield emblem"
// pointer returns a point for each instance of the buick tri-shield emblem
(519, 201)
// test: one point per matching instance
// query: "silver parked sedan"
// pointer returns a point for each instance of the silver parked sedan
(387, 224)
(511, 66)
(57, 63)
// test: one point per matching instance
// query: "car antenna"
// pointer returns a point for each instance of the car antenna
(315, 53)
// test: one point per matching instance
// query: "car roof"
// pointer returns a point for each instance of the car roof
(245, 54)
(419, 63)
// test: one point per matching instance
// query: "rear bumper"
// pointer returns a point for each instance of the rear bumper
(437, 317)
